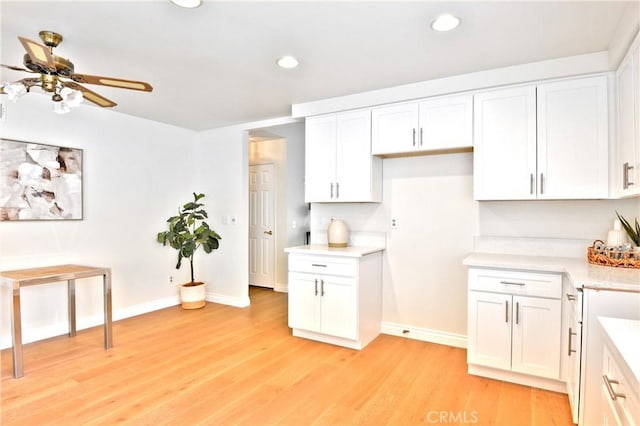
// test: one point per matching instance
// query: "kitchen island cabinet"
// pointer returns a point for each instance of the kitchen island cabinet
(335, 295)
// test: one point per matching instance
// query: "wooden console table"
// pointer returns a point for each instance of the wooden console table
(50, 274)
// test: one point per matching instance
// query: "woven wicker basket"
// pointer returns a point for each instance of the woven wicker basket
(615, 258)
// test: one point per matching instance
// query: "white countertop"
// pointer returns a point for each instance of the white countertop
(581, 273)
(624, 338)
(325, 250)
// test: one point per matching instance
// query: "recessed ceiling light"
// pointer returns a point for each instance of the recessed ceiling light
(287, 62)
(190, 4)
(445, 22)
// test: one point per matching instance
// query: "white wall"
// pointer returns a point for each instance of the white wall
(223, 177)
(223, 156)
(431, 197)
(135, 175)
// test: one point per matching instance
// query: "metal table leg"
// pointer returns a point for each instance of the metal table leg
(108, 335)
(16, 334)
(71, 293)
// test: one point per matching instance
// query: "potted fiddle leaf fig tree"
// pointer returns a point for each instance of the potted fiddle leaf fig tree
(187, 233)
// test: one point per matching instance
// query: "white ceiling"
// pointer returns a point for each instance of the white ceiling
(215, 65)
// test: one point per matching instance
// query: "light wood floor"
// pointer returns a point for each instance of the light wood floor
(222, 365)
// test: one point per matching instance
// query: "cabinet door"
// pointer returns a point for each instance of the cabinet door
(339, 307)
(446, 123)
(573, 142)
(394, 129)
(320, 157)
(353, 157)
(304, 303)
(489, 329)
(628, 164)
(536, 336)
(504, 158)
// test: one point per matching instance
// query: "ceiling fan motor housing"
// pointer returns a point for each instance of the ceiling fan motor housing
(50, 38)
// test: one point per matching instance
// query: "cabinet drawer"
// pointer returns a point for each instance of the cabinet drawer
(618, 392)
(515, 282)
(324, 265)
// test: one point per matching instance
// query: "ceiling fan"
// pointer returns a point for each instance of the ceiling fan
(58, 74)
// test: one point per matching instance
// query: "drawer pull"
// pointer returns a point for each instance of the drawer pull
(512, 283)
(571, 333)
(607, 382)
(319, 265)
(571, 297)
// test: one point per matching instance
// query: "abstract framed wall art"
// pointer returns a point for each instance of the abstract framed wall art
(39, 182)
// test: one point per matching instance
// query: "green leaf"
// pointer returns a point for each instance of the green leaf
(634, 234)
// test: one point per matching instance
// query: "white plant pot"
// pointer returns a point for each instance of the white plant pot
(193, 295)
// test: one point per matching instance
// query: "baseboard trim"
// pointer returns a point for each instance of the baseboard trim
(281, 288)
(238, 302)
(518, 378)
(425, 334)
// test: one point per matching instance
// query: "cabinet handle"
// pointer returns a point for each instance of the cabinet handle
(570, 297)
(541, 183)
(320, 265)
(331, 190)
(316, 286)
(506, 311)
(512, 283)
(571, 333)
(613, 394)
(321, 287)
(531, 182)
(517, 312)
(421, 131)
(414, 137)
(337, 190)
(625, 176)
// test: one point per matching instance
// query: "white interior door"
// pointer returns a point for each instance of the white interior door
(261, 225)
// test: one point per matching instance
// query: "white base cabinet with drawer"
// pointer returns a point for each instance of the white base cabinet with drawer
(514, 327)
(336, 299)
(620, 386)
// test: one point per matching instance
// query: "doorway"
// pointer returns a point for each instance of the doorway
(262, 225)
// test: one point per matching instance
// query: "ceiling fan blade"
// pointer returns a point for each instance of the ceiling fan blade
(39, 54)
(91, 96)
(112, 82)
(13, 67)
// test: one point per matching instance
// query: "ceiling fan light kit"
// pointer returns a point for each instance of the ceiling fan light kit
(54, 70)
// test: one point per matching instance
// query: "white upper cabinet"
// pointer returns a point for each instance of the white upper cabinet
(433, 124)
(339, 166)
(504, 159)
(627, 165)
(548, 141)
(573, 139)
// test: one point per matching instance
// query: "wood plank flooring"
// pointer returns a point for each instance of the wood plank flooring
(222, 365)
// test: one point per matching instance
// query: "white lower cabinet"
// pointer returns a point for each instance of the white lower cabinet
(323, 304)
(336, 299)
(514, 326)
(619, 392)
